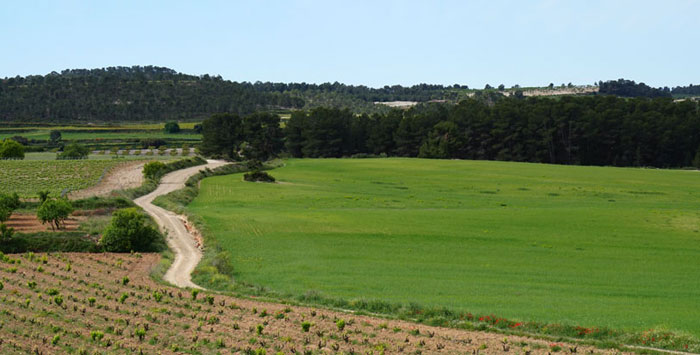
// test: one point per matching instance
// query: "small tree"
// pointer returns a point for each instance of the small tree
(74, 151)
(8, 203)
(54, 211)
(10, 149)
(152, 169)
(43, 195)
(127, 231)
(55, 136)
(172, 127)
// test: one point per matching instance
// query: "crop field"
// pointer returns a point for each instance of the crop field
(102, 135)
(588, 246)
(107, 303)
(28, 177)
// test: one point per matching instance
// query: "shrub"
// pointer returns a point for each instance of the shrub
(43, 195)
(6, 233)
(210, 300)
(172, 127)
(74, 151)
(258, 176)
(194, 294)
(128, 232)
(125, 280)
(157, 296)
(153, 169)
(10, 149)
(305, 326)
(96, 335)
(140, 332)
(340, 324)
(91, 301)
(55, 339)
(123, 297)
(54, 211)
(58, 300)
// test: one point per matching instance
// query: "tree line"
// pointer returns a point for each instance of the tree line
(579, 130)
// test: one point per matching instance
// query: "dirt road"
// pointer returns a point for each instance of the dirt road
(187, 255)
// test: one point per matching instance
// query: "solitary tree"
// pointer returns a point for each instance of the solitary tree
(127, 231)
(55, 212)
(172, 127)
(152, 169)
(55, 136)
(73, 151)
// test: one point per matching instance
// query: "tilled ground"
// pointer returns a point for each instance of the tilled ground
(82, 303)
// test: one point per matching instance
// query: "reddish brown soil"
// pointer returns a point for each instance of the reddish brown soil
(90, 286)
(28, 223)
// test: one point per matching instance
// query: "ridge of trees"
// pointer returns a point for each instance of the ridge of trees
(152, 93)
(584, 130)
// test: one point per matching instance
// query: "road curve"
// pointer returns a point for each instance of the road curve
(182, 243)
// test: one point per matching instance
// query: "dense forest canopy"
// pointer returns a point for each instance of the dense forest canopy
(587, 130)
(157, 94)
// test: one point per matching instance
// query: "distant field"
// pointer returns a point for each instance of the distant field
(27, 177)
(98, 134)
(591, 246)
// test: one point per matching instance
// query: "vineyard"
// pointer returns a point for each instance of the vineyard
(89, 303)
(26, 178)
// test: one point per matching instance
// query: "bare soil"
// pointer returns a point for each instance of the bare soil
(28, 223)
(124, 176)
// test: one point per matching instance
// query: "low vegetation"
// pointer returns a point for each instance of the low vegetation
(531, 243)
(27, 178)
(79, 303)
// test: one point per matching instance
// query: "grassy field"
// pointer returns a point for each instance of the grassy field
(27, 177)
(589, 246)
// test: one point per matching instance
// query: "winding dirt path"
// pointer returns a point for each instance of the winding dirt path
(187, 255)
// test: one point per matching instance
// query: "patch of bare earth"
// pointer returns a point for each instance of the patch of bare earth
(107, 300)
(124, 176)
(28, 223)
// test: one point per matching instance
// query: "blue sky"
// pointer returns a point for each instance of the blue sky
(372, 43)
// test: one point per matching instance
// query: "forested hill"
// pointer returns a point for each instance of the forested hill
(121, 94)
(118, 94)
(157, 94)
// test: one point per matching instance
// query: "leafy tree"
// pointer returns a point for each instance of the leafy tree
(55, 137)
(73, 151)
(152, 170)
(501, 87)
(54, 211)
(263, 136)
(43, 195)
(128, 231)
(222, 135)
(172, 127)
(8, 203)
(10, 149)
(6, 233)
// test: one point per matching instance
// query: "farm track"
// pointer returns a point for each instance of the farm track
(187, 255)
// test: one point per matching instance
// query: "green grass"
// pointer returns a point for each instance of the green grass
(589, 246)
(27, 177)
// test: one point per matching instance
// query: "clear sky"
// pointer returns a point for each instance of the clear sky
(372, 43)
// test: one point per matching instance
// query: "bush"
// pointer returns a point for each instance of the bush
(152, 170)
(10, 149)
(54, 211)
(128, 232)
(258, 176)
(305, 326)
(73, 151)
(172, 127)
(6, 233)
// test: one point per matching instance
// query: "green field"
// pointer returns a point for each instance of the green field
(28, 177)
(589, 246)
